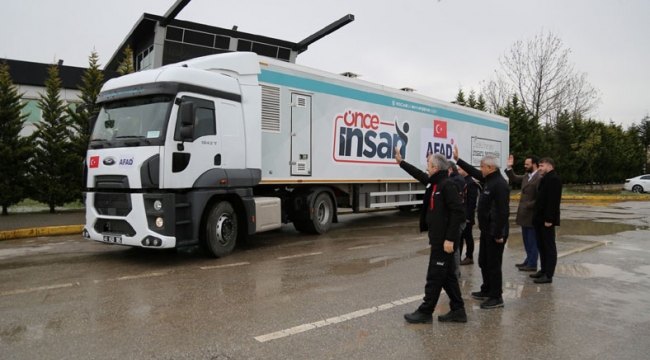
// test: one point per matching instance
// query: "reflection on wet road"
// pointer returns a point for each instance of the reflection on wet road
(284, 295)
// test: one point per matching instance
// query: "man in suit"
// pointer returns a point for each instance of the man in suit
(526, 208)
(493, 212)
(547, 217)
(442, 216)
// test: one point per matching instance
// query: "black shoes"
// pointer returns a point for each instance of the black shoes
(478, 295)
(418, 318)
(457, 315)
(537, 275)
(543, 279)
(492, 303)
(467, 261)
(527, 268)
(520, 265)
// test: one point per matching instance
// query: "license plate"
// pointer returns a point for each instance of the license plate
(112, 239)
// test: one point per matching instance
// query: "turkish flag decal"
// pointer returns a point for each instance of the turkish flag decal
(439, 129)
(94, 162)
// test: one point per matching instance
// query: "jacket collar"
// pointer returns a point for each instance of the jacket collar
(438, 177)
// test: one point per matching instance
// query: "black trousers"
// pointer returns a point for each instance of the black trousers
(441, 277)
(547, 249)
(490, 258)
(467, 238)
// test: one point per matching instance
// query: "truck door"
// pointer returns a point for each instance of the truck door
(186, 161)
(300, 134)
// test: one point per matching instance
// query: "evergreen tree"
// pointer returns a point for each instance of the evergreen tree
(644, 136)
(471, 101)
(15, 149)
(92, 80)
(460, 98)
(52, 181)
(126, 65)
(525, 133)
(481, 104)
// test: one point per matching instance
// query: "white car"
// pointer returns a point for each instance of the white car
(637, 184)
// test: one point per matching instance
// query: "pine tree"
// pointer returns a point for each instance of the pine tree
(460, 98)
(92, 80)
(51, 168)
(126, 65)
(15, 149)
(471, 101)
(481, 104)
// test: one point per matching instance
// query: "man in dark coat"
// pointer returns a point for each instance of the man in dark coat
(471, 194)
(442, 216)
(493, 212)
(461, 184)
(547, 217)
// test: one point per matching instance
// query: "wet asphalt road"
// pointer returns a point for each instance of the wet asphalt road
(336, 296)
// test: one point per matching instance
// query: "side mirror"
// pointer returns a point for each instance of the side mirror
(91, 123)
(186, 117)
(186, 113)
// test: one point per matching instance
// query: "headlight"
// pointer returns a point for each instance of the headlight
(157, 205)
(159, 222)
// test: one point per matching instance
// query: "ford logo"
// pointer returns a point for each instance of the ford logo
(109, 161)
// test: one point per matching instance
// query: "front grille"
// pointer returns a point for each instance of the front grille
(110, 226)
(113, 204)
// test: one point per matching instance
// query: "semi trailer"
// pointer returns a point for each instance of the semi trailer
(211, 150)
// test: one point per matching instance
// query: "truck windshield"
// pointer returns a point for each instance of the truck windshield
(128, 122)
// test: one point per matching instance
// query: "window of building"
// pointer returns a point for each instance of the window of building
(144, 60)
(31, 108)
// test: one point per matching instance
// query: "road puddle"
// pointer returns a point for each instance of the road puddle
(593, 228)
(362, 265)
(587, 270)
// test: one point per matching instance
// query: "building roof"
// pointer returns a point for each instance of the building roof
(32, 73)
(144, 28)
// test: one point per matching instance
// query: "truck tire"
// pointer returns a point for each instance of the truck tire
(322, 218)
(323, 213)
(220, 230)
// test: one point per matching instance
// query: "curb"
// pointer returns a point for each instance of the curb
(41, 231)
(584, 248)
(597, 198)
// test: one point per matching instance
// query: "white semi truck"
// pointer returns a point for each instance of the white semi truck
(211, 150)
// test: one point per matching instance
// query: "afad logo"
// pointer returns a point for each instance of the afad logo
(126, 160)
(436, 141)
(361, 137)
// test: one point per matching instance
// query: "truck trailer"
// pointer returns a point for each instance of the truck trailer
(211, 150)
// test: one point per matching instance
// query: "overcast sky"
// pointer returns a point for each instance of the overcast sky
(433, 46)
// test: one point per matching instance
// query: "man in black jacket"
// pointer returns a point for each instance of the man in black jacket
(442, 216)
(493, 212)
(471, 194)
(546, 218)
(461, 184)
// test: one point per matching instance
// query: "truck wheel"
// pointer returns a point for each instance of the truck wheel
(220, 231)
(323, 214)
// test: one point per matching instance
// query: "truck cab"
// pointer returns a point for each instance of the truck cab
(174, 154)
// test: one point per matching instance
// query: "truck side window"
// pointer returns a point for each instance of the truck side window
(204, 118)
(204, 123)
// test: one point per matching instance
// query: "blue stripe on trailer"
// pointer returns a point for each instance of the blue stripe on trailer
(373, 98)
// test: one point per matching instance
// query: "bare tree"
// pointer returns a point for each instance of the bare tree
(539, 72)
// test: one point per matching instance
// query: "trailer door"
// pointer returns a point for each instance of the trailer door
(300, 134)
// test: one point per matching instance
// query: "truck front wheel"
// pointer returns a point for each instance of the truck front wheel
(220, 231)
